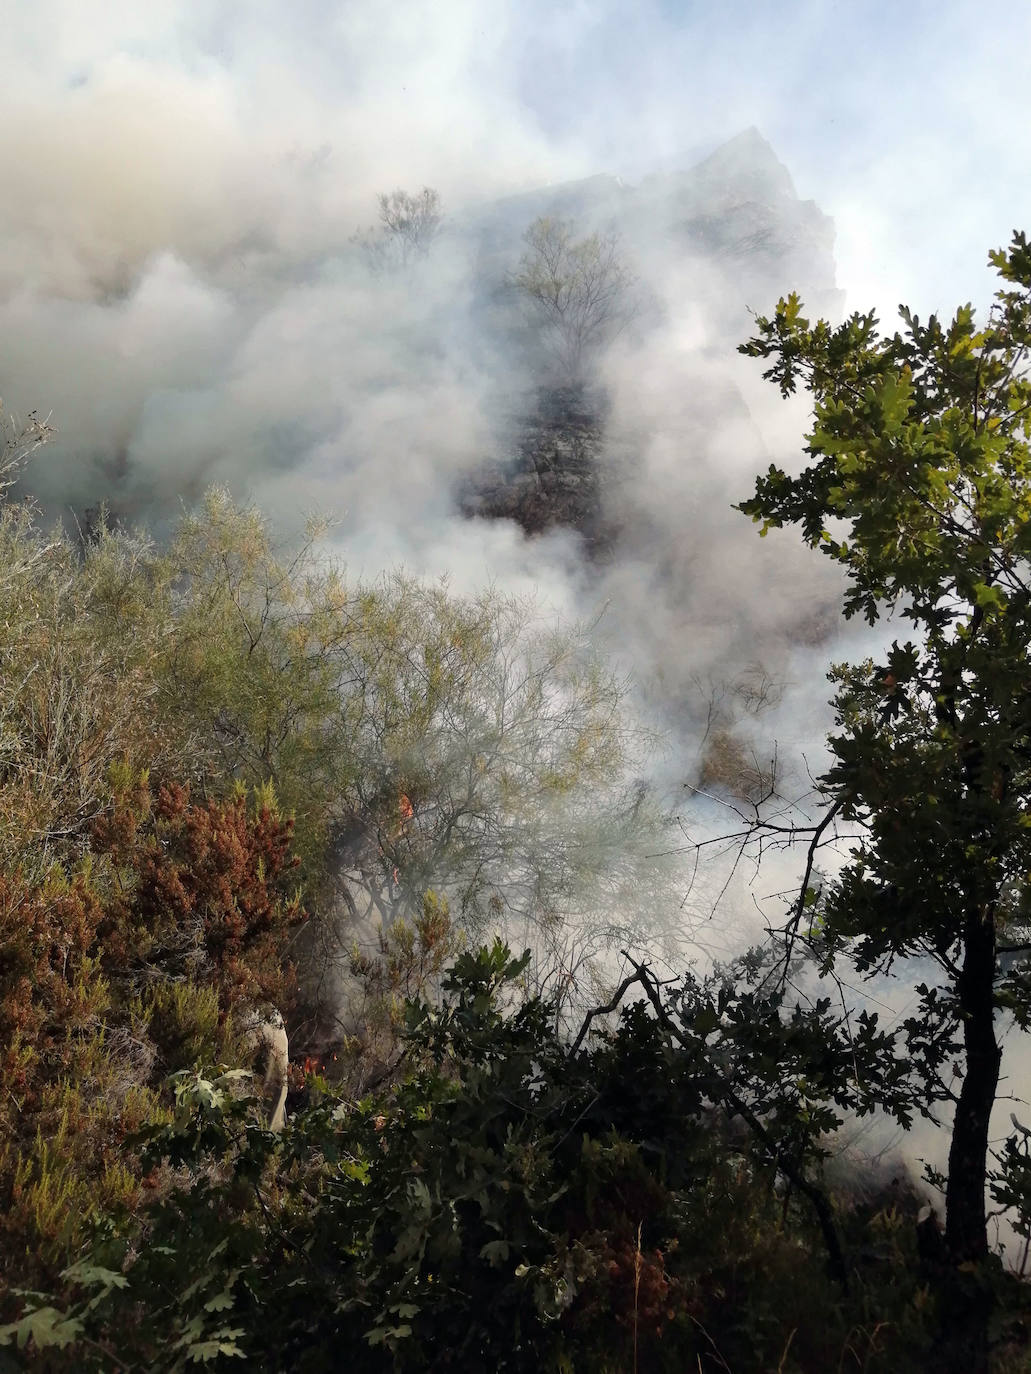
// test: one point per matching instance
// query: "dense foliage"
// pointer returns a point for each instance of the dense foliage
(228, 784)
(234, 788)
(113, 974)
(919, 486)
(512, 1204)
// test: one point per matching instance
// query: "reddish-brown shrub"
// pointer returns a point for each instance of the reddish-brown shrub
(207, 897)
(111, 977)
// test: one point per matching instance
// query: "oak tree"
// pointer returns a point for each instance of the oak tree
(918, 484)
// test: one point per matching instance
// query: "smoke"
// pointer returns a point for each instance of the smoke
(179, 288)
(182, 181)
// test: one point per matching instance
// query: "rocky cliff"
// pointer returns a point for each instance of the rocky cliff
(710, 243)
(551, 475)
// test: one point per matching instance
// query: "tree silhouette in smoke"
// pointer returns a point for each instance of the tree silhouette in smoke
(408, 225)
(577, 291)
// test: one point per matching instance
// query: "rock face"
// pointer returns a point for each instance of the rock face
(267, 1039)
(739, 211)
(730, 232)
(553, 478)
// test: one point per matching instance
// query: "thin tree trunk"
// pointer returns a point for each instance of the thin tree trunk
(967, 1303)
(965, 1224)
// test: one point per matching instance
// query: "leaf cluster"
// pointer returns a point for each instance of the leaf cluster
(509, 1205)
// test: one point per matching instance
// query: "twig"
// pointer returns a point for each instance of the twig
(609, 1006)
(780, 1157)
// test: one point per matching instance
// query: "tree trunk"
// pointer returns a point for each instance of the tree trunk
(965, 1225)
(967, 1303)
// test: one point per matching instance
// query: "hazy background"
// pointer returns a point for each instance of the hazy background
(181, 181)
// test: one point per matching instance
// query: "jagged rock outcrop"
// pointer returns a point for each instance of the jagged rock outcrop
(735, 235)
(553, 478)
(739, 210)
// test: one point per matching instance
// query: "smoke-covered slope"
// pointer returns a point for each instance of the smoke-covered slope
(402, 404)
(725, 230)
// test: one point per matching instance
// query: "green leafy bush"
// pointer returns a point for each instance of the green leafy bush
(507, 1206)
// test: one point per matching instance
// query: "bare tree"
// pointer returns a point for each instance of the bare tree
(577, 290)
(19, 440)
(408, 225)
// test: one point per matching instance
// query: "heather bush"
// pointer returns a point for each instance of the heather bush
(113, 976)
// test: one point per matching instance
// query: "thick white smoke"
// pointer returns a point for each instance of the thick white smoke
(181, 181)
(178, 286)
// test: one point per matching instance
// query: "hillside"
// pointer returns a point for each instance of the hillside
(726, 228)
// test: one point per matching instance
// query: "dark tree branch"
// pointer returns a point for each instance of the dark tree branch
(782, 1160)
(609, 1006)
